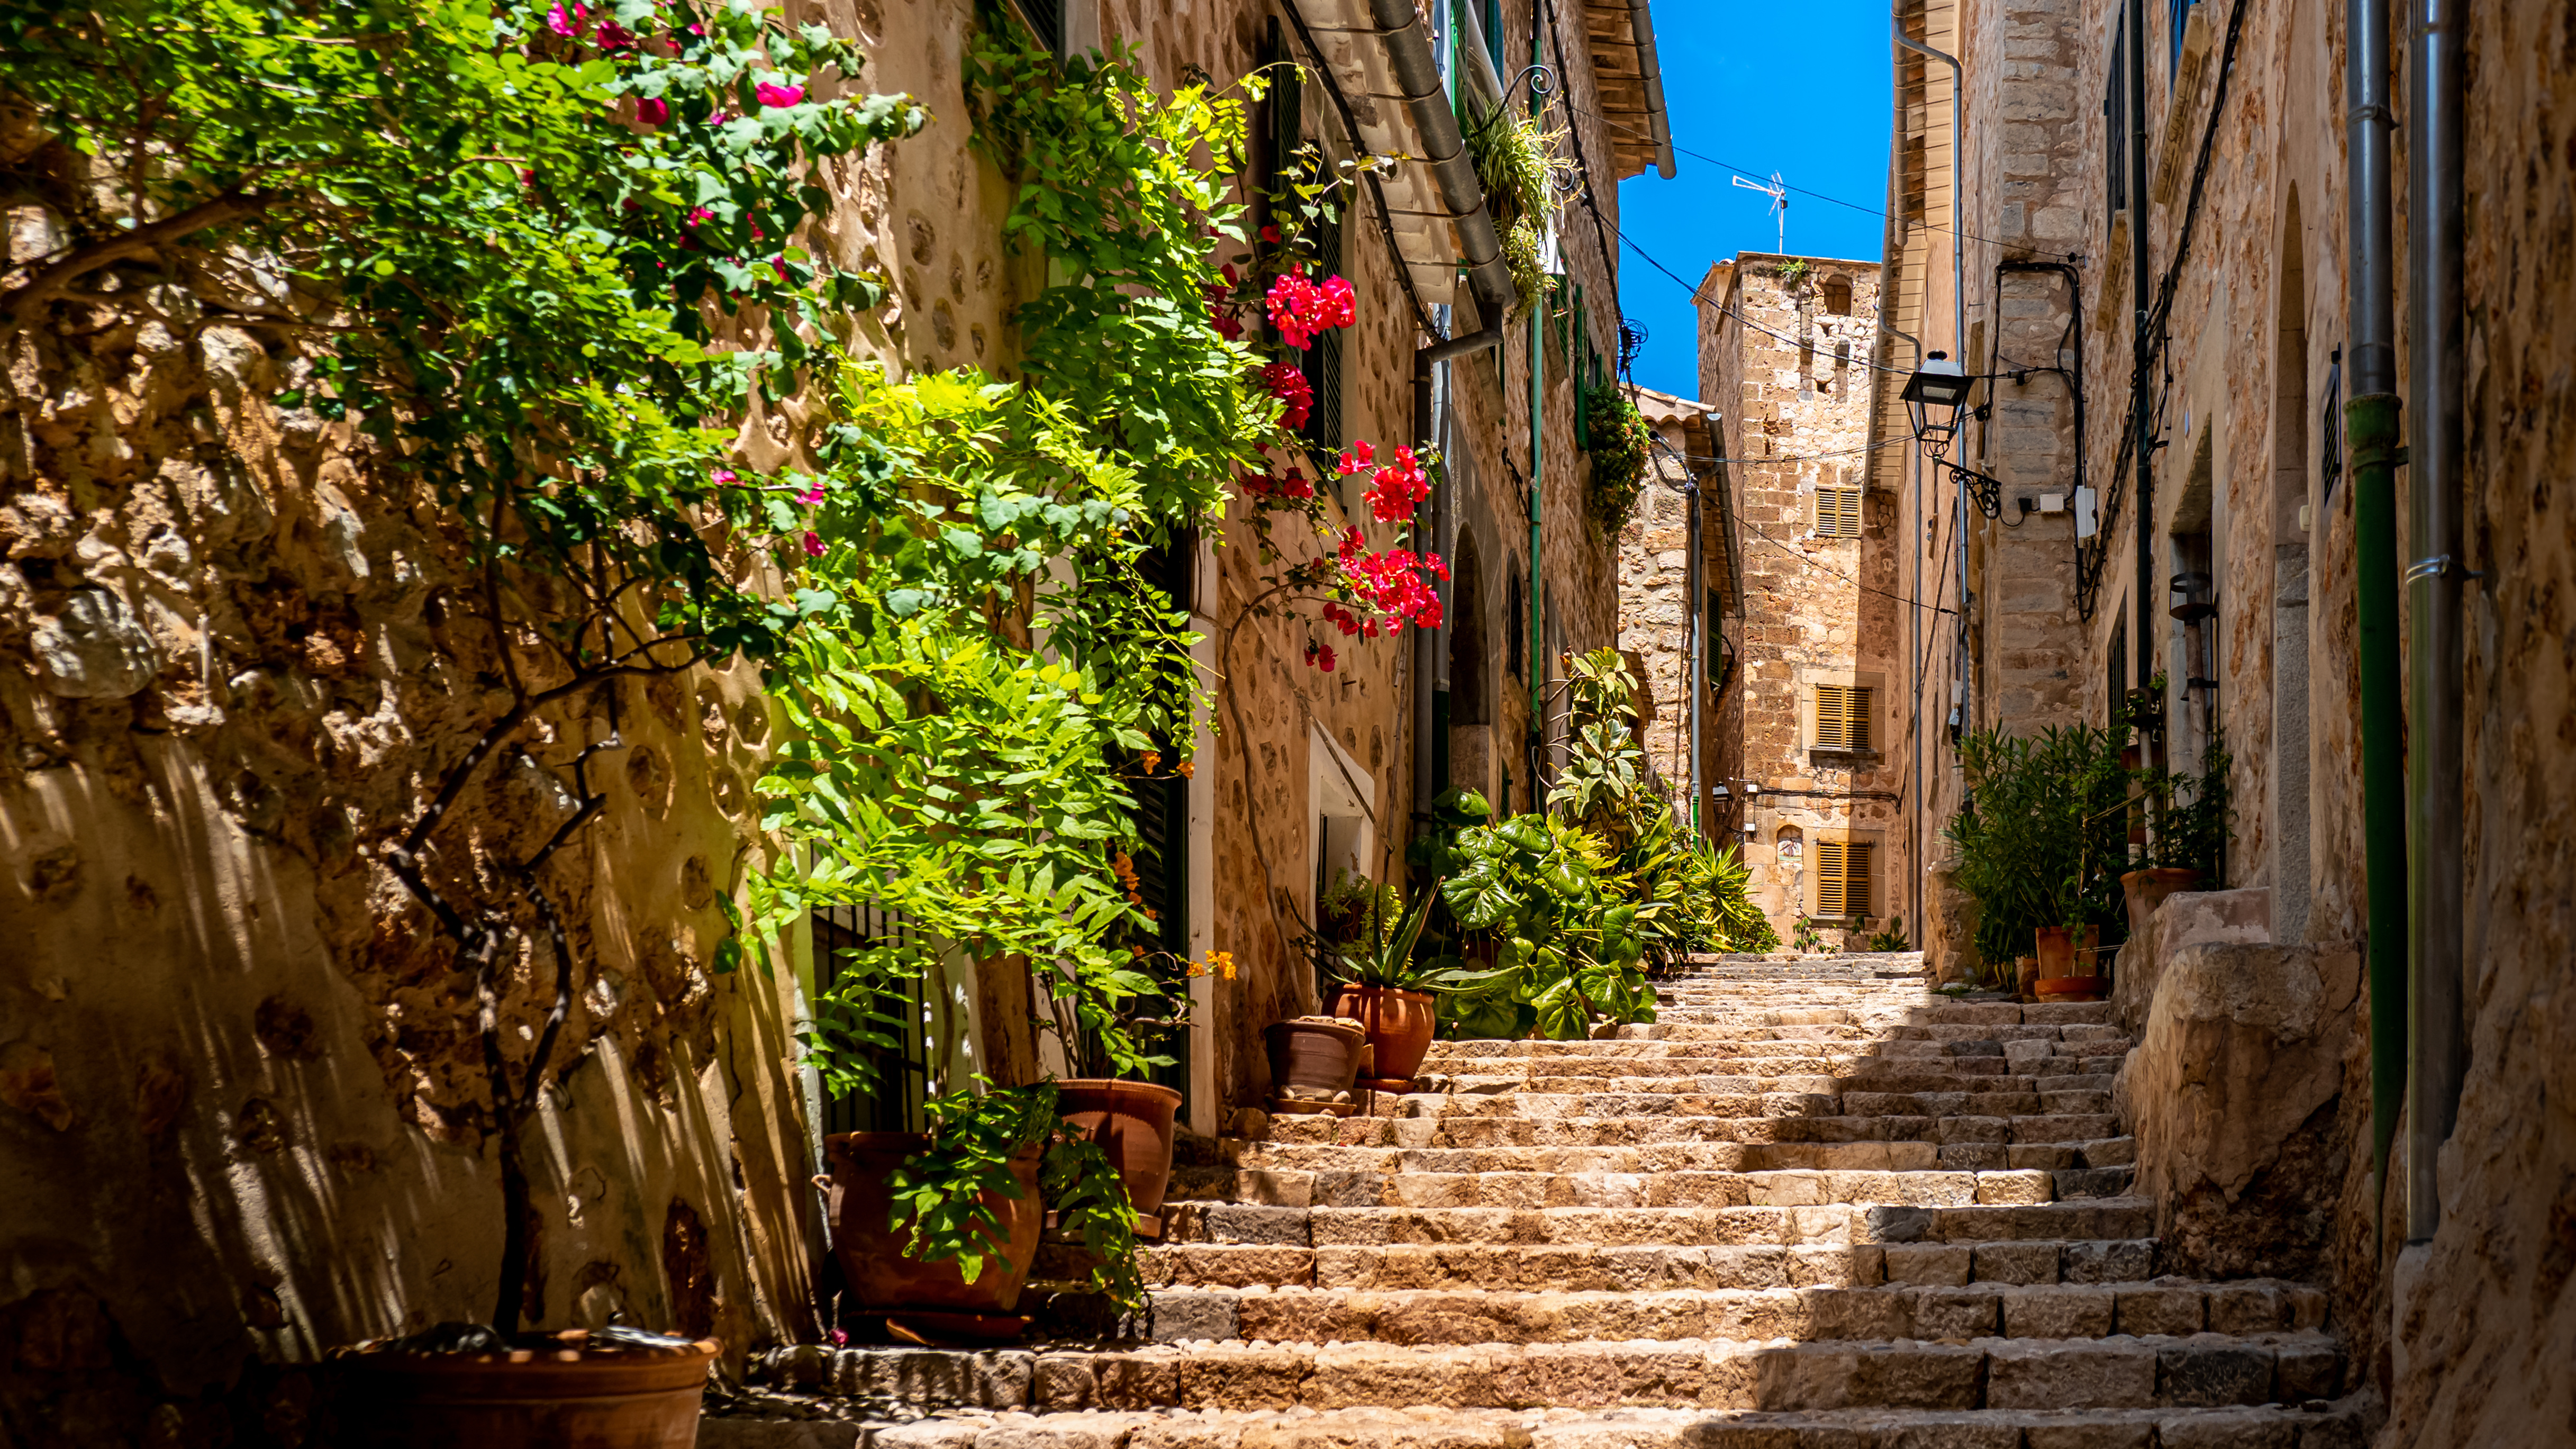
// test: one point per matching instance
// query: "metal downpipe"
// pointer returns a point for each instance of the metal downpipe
(2141, 347)
(2435, 582)
(2371, 423)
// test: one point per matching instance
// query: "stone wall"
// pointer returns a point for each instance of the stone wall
(1787, 360)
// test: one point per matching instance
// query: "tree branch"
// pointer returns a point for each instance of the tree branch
(21, 303)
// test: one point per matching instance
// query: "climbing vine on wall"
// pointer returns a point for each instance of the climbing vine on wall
(1620, 439)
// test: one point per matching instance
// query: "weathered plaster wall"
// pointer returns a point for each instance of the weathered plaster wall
(1792, 375)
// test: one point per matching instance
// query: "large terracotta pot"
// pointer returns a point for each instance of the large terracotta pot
(1312, 1058)
(1399, 1026)
(870, 1248)
(525, 1398)
(2068, 988)
(2147, 889)
(2056, 951)
(1132, 1122)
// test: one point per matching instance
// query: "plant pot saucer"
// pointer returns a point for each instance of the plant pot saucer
(1297, 1107)
(931, 1328)
(1391, 1086)
(2069, 988)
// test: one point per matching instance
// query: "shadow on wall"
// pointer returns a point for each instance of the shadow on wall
(237, 1120)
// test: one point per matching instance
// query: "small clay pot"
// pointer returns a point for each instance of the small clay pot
(1132, 1122)
(2145, 890)
(870, 1247)
(528, 1398)
(1399, 1026)
(2069, 988)
(1312, 1058)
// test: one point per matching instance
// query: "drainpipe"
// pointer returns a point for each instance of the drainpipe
(1426, 642)
(1538, 464)
(2436, 1055)
(2370, 423)
(1658, 124)
(1696, 638)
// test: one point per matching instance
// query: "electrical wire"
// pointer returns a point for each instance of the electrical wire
(1693, 289)
(1802, 556)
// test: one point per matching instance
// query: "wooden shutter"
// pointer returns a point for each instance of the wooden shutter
(1838, 512)
(1842, 877)
(1842, 717)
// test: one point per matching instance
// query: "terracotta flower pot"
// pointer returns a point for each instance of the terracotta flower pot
(1312, 1057)
(2056, 951)
(871, 1248)
(1132, 1122)
(2069, 988)
(1399, 1026)
(526, 1398)
(2147, 889)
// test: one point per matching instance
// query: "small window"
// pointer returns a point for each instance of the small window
(1838, 512)
(1842, 716)
(1838, 296)
(1842, 877)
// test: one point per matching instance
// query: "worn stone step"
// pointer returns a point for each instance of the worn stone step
(1823, 1263)
(2014, 1208)
(1973, 1309)
(775, 1423)
(1189, 1219)
(2318, 1425)
(1864, 1155)
(2117, 1372)
(1786, 1117)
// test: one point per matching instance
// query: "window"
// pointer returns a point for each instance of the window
(1838, 512)
(1842, 716)
(1842, 877)
(1515, 621)
(1838, 296)
(1323, 363)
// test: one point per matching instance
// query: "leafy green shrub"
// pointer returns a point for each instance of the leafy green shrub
(2044, 837)
(1620, 440)
(1519, 161)
(2194, 816)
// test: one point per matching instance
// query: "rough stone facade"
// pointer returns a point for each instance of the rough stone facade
(1785, 348)
(1675, 621)
(2462, 1334)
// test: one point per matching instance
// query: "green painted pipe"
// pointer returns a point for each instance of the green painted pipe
(1538, 492)
(2371, 425)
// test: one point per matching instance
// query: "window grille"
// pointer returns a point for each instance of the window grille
(1842, 716)
(1842, 877)
(1838, 512)
(896, 1015)
(2332, 433)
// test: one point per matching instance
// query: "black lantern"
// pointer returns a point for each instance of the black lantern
(1933, 397)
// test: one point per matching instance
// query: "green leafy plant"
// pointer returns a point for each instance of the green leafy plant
(2044, 838)
(1384, 956)
(2194, 816)
(1891, 939)
(1620, 440)
(1520, 162)
(939, 1194)
(1804, 935)
(1793, 275)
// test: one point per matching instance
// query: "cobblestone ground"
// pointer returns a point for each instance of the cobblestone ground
(1814, 1205)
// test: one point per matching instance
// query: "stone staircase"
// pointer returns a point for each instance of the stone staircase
(1813, 1205)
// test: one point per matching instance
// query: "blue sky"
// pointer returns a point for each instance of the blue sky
(1803, 91)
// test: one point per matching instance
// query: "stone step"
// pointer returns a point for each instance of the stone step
(2198, 1371)
(1974, 1309)
(760, 1424)
(1896, 1096)
(1774, 1188)
(2013, 1211)
(1822, 1263)
(1319, 1161)
(1819, 1120)
(2054, 1075)
(2316, 1424)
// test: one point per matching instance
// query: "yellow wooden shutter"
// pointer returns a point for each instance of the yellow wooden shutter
(1856, 877)
(1830, 865)
(1850, 512)
(1856, 706)
(1833, 716)
(1838, 512)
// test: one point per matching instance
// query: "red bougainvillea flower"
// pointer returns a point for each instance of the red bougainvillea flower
(568, 26)
(1270, 234)
(1296, 395)
(652, 110)
(781, 264)
(1320, 655)
(1398, 488)
(1395, 582)
(1300, 308)
(1356, 457)
(614, 37)
(813, 544)
(780, 96)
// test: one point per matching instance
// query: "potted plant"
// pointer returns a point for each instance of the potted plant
(1126, 1116)
(2189, 844)
(1388, 993)
(1314, 1060)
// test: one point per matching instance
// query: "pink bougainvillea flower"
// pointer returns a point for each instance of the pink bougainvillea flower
(813, 544)
(698, 214)
(722, 477)
(780, 96)
(780, 263)
(568, 26)
(813, 495)
(1296, 395)
(652, 110)
(1356, 457)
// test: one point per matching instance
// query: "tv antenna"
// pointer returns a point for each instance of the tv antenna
(1778, 191)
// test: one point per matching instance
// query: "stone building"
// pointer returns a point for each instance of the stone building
(1813, 713)
(1677, 608)
(241, 1096)
(2154, 284)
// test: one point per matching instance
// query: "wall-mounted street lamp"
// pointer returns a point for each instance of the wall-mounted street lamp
(1933, 397)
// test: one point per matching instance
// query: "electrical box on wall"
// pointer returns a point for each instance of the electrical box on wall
(2052, 503)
